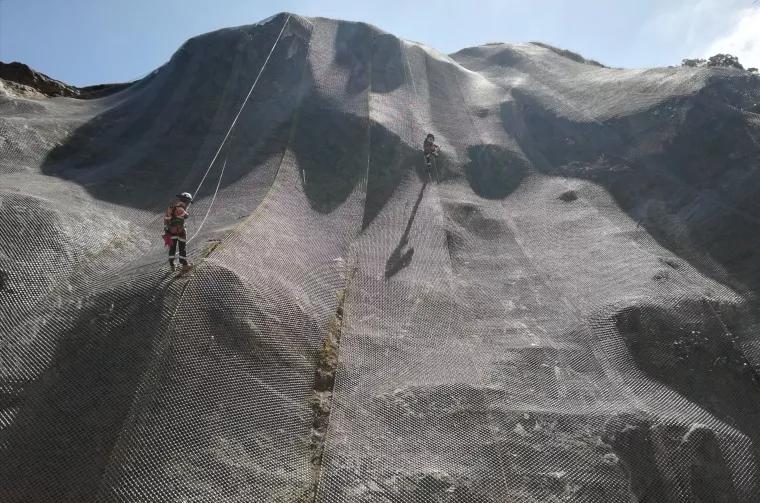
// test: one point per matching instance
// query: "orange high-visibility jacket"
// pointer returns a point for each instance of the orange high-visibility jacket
(174, 218)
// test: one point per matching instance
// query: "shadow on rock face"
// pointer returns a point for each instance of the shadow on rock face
(401, 256)
(551, 141)
(246, 350)
(568, 196)
(71, 416)
(388, 72)
(169, 125)
(696, 469)
(693, 157)
(353, 51)
(710, 476)
(331, 148)
(391, 159)
(472, 219)
(694, 353)
(256, 328)
(630, 437)
(370, 56)
(493, 172)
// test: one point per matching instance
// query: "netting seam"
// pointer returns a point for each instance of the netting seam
(235, 230)
(352, 271)
(242, 106)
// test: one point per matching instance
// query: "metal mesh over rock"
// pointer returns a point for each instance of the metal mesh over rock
(563, 309)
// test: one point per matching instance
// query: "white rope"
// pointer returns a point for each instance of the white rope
(229, 131)
(245, 101)
(218, 183)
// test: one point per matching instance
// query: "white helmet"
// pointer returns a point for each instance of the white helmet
(186, 197)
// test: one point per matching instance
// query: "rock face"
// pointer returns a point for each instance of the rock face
(20, 73)
(563, 308)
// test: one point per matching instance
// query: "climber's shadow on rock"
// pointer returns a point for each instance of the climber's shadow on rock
(402, 256)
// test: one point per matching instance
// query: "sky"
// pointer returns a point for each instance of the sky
(84, 42)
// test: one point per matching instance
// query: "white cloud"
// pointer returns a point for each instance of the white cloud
(679, 29)
(743, 40)
(694, 23)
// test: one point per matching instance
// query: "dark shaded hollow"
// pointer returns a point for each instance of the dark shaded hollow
(694, 353)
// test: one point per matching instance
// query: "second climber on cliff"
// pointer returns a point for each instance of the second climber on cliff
(431, 150)
(175, 235)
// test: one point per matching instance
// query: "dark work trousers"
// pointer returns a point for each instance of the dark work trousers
(178, 239)
(432, 168)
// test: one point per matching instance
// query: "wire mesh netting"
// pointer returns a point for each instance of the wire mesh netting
(561, 307)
